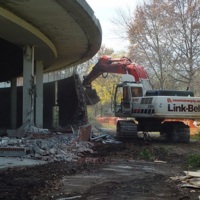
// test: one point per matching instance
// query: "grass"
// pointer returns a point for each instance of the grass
(146, 154)
(193, 161)
(196, 136)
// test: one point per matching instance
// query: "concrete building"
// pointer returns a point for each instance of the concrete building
(40, 36)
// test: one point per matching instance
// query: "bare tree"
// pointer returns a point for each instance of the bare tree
(148, 44)
(183, 33)
(164, 38)
(105, 51)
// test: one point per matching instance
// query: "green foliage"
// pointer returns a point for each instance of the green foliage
(146, 154)
(104, 87)
(193, 161)
(196, 136)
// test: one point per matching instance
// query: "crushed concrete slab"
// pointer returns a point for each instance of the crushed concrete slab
(12, 151)
(100, 135)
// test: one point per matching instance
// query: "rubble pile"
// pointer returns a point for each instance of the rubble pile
(72, 144)
(48, 147)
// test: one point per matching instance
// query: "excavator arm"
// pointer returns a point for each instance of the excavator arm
(108, 65)
(118, 66)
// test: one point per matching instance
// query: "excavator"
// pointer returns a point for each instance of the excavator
(139, 107)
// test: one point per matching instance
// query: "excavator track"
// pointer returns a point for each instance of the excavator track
(176, 132)
(126, 130)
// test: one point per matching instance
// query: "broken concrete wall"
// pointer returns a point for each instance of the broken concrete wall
(69, 102)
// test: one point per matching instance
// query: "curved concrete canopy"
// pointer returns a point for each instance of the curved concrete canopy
(63, 32)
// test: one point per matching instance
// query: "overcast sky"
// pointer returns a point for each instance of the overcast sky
(105, 11)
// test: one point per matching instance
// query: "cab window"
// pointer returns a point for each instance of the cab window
(125, 94)
(136, 92)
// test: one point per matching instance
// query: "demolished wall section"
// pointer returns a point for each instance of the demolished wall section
(69, 100)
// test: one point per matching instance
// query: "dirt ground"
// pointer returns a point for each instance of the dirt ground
(138, 170)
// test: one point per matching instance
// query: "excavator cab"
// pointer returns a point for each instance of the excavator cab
(123, 97)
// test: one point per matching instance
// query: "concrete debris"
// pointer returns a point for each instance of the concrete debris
(111, 141)
(70, 144)
(26, 129)
(100, 135)
(50, 147)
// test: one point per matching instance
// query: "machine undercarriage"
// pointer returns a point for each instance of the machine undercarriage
(173, 131)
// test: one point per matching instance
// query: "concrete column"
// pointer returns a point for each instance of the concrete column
(13, 100)
(39, 95)
(28, 84)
